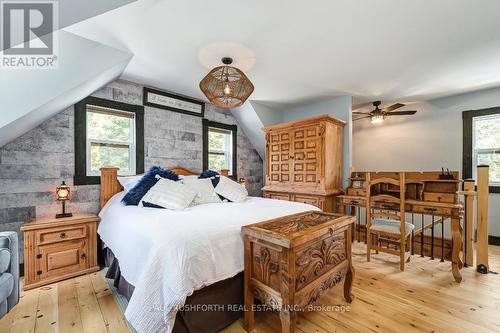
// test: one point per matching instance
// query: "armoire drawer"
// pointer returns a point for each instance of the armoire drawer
(278, 196)
(307, 199)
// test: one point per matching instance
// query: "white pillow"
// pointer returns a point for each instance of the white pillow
(231, 190)
(205, 189)
(128, 182)
(169, 194)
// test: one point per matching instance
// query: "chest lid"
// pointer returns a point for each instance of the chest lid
(292, 230)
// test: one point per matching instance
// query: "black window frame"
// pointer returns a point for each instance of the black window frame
(234, 131)
(80, 177)
(467, 118)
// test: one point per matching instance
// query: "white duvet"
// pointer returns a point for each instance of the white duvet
(169, 254)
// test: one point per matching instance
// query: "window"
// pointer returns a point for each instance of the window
(110, 140)
(219, 147)
(482, 144)
(107, 133)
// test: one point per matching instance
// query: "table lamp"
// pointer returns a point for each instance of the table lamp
(62, 194)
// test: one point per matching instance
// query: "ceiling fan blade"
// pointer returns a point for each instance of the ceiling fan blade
(400, 113)
(359, 113)
(393, 107)
(362, 118)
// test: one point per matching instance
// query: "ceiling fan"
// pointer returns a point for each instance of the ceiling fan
(378, 115)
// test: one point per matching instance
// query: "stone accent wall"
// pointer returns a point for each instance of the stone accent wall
(32, 165)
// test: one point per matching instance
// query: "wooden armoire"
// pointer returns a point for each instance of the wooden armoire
(304, 161)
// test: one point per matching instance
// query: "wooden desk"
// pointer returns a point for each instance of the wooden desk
(425, 203)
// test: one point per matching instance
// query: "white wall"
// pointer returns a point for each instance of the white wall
(340, 108)
(429, 140)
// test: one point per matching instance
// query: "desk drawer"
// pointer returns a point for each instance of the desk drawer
(439, 197)
(62, 234)
(357, 192)
(352, 202)
(432, 210)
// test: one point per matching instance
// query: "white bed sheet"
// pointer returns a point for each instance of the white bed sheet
(169, 254)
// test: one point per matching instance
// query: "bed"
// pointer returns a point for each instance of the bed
(180, 270)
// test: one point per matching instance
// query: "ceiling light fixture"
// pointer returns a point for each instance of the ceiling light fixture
(226, 86)
(377, 118)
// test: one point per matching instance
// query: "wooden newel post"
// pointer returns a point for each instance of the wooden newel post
(483, 183)
(469, 191)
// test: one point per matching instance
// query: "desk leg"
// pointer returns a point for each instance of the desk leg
(249, 319)
(456, 262)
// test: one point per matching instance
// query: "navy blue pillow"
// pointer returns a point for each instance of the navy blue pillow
(134, 196)
(150, 205)
(211, 174)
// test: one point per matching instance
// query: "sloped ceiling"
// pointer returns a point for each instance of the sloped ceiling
(74, 11)
(297, 51)
(30, 97)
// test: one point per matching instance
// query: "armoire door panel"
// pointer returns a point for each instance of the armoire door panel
(279, 152)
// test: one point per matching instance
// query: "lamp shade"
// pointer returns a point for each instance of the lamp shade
(62, 192)
(226, 86)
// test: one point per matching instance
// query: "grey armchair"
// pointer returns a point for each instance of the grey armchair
(9, 271)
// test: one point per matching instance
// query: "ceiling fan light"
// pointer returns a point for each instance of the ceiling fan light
(377, 119)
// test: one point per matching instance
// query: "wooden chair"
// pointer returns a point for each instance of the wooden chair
(384, 197)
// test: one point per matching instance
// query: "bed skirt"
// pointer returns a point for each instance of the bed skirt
(208, 310)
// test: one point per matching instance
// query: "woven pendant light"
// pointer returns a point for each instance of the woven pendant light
(226, 86)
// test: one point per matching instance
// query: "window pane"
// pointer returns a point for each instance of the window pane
(487, 132)
(108, 127)
(109, 155)
(216, 141)
(216, 162)
(493, 160)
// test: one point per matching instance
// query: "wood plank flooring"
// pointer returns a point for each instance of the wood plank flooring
(82, 304)
(424, 298)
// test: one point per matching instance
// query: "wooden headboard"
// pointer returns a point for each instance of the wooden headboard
(110, 185)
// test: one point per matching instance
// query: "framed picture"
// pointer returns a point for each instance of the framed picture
(164, 100)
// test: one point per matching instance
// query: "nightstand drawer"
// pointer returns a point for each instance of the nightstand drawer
(61, 258)
(60, 234)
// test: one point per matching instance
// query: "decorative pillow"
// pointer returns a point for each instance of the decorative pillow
(128, 182)
(208, 174)
(214, 175)
(231, 190)
(134, 196)
(205, 189)
(170, 194)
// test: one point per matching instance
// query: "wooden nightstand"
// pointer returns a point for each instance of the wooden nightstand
(57, 249)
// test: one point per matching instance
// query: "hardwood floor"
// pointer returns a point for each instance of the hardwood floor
(82, 304)
(423, 298)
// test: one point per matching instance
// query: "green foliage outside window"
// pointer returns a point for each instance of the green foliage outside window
(487, 145)
(111, 140)
(218, 150)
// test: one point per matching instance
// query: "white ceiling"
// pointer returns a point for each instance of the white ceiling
(296, 51)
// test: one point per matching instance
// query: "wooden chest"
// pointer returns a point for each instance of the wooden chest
(290, 261)
(57, 249)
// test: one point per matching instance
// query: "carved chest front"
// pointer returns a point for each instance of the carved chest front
(290, 261)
